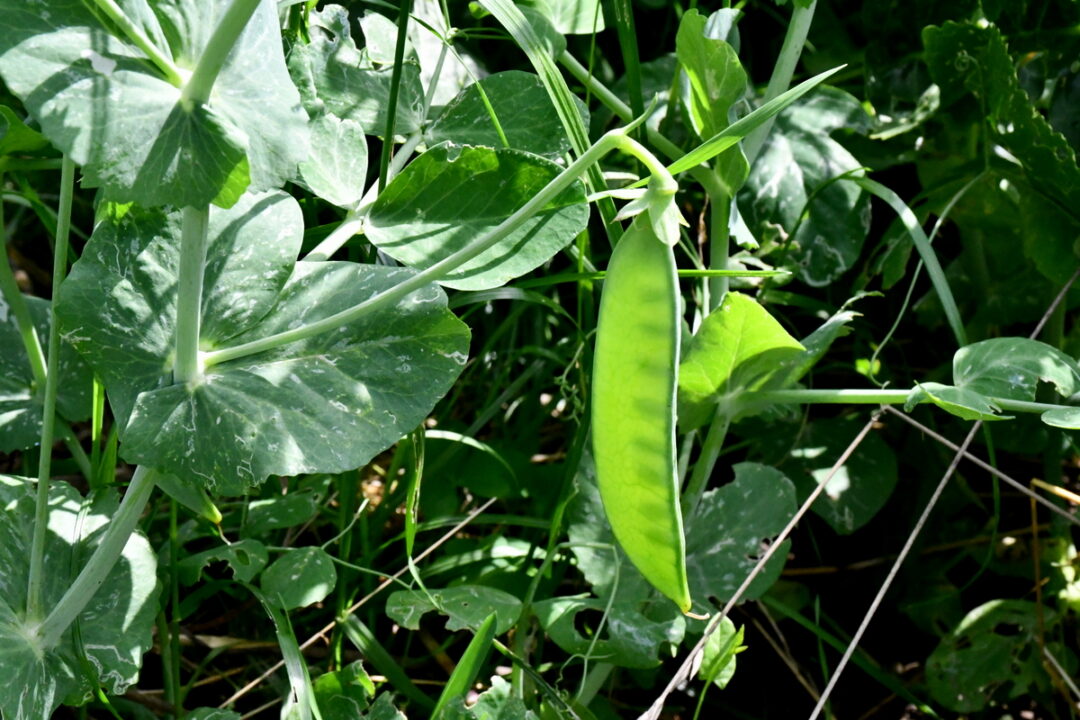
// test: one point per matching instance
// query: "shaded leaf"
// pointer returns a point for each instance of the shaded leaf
(791, 186)
(245, 558)
(465, 606)
(21, 401)
(732, 528)
(300, 577)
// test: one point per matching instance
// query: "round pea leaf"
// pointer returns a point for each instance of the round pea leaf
(451, 195)
(522, 107)
(21, 402)
(67, 67)
(328, 403)
(466, 606)
(114, 630)
(730, 531)
(299, 578)
(336, 168)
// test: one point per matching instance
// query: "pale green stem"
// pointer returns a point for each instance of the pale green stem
(135, 34)
(783, 70)
(197, 89)
(616, 139)
(101, 563)
(719, 247)
(15, 301)
(77, 453)
(706, 178)
(706, 462)
(52, 385)
(354, 219)
(872, 397)
(194, 238)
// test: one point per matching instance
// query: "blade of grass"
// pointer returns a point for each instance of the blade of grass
(365, 641)
(468, 667)
(404, 8)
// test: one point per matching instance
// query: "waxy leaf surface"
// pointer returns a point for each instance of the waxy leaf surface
(99, 99)
(450, 196)
(520, 104)
(20, 401)
(326, 403)
(114, 630)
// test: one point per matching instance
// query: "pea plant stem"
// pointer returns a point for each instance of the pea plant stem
(101, 562)
(194, 236)
(614, 140)
(783, 71)
(52, 385)
(135, 34)
(15, 301)
(198, 87)
(710, 452)
(871, 397)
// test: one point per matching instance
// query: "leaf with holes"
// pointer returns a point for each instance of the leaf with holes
(465, 606)
(731, 530)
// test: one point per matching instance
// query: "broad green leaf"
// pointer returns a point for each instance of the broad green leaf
(328, 403)
(115, 627)
(572, 17)
(280, 511)
(100, 101)
(343, 694)
(245, 558)
(336, 167)
(450, 195)
(973, 58)
(716, 77)
(738, 347)
(380, 38)
(383, 709)
(333, 76)
(300, 577)
(718, 655)
(992, 656)
(859, 488)
(21, 401)
(16, 138)
(631, 640)
(521, 105)
(1012, 367)
(465, 606)
(728, 533)
(962, 402)
(792, 186)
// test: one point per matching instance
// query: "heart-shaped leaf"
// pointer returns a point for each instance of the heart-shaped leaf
(113, 631)
(327, 403)
(100, 100)
(451, 195)
(300, 577)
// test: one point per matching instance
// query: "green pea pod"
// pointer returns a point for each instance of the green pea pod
(633, 422)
